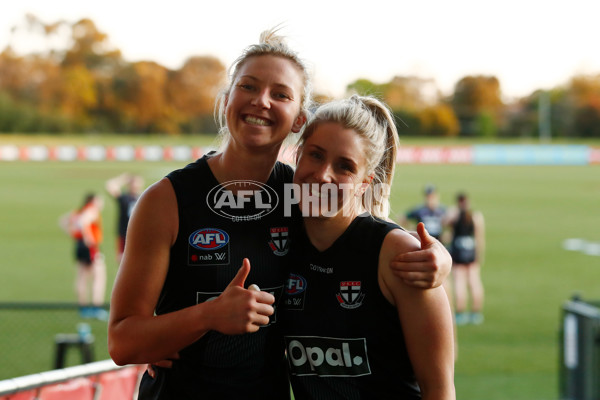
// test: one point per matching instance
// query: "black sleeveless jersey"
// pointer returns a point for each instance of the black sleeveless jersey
(343, 338)
(216, 231)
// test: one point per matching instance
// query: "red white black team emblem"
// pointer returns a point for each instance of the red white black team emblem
(350, 295)
(280, 243)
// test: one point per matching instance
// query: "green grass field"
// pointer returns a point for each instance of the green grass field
(529, 211)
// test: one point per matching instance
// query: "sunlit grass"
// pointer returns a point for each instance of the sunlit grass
(529, 211)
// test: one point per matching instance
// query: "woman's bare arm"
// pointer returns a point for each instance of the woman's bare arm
(135, 334)
(426, 321)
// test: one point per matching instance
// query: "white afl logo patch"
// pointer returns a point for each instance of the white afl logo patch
(242, 200)
(209, 239)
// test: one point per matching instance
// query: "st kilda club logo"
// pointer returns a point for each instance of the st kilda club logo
(242, 200)
(350, 295)
(280, 243)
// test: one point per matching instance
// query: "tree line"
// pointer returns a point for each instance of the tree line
(90, 87)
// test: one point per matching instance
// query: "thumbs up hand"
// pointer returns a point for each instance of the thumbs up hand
(238, 310)
(426, 268)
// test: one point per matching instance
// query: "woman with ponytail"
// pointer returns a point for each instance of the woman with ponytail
(352, 328)
(467, 248)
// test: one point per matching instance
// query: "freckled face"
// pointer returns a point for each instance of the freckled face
(264, 103)
(333, 157)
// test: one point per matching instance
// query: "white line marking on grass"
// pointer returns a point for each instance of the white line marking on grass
(582, 245)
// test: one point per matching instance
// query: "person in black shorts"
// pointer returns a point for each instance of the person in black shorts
(84, 225)
(180, 300)
(352, 328)
(125, 189)
(467, 248)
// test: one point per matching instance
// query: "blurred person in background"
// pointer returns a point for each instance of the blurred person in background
(467, 248)
(84, 225)
(125, 189)
(431, 213)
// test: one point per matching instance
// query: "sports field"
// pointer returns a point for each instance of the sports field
(529, 212)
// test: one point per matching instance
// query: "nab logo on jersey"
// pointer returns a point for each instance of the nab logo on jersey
(242, 200)
(296, 284)
(209, 239)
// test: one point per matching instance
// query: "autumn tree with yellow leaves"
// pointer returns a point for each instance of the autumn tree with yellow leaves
(416, 103)
(87, 86)
(90, 87)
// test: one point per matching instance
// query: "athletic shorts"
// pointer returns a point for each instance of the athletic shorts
(462, 250)
(82, 253)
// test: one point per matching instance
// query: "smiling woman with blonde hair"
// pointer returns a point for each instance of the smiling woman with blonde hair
(353, 329)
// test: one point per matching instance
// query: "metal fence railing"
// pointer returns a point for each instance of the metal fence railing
(37, 337)
(101, 380)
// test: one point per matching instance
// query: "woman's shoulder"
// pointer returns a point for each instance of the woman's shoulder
(399, 241)
(159, 192)
(373, 225)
